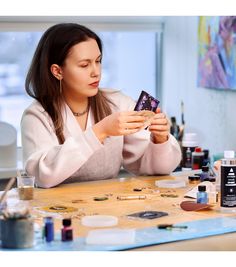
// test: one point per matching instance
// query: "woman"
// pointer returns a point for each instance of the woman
(75, 131)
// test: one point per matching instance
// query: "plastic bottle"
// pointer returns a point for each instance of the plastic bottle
(66, 231)
(48, 229)
(206, 160)
(197, 158)
(188, 162)
(228, 182)
(189, 144)
(174, 129)
(202, 196)
(204, 176)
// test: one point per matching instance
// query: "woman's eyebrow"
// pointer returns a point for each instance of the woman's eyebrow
(88, 59)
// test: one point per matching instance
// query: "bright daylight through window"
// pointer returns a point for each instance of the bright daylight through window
(129, 64)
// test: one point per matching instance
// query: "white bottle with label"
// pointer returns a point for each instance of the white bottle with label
(228, 182)
(189, 144)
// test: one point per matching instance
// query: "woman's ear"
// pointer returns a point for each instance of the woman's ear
(56, 71)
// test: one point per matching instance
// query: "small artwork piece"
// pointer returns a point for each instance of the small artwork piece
(150, 214)
(146, 102)
(217, 52)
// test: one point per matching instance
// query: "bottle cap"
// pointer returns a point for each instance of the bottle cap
(228, 154)
(190, 140)
(66, 222)
(206, 153)
(201, 188)
(198, 149)
(193, 178)
(205, 168)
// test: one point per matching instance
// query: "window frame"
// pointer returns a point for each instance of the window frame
(96, 23)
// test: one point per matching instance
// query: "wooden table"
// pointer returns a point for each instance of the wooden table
(81, 196)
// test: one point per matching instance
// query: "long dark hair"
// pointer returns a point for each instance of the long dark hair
(40, 83)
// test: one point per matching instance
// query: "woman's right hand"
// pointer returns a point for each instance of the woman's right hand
(119, 123)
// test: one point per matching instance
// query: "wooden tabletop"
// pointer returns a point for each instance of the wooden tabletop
(81, 196)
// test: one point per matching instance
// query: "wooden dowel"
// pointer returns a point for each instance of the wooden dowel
(7, 188)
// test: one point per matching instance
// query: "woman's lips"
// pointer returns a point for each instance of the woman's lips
(95, 84)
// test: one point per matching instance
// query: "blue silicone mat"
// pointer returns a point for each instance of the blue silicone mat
(147, 236)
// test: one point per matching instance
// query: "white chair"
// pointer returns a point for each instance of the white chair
(8, 146)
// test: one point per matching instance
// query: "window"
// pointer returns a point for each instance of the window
(130, 61)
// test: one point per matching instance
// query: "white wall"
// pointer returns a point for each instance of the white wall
(208, 112)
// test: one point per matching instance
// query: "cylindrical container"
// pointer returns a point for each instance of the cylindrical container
(194, 179)
(202, 194)
(66, 231)
(25, 184)
(49, 229)
(228, 181)
(189, 144)
(206, 160)
(204, 176)
(197, 158)
(17, 233)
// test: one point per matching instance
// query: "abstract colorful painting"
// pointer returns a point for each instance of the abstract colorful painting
(217, 52)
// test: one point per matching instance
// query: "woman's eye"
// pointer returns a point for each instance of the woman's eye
(84, 66)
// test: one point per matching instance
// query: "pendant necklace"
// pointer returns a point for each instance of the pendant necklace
(78, 114)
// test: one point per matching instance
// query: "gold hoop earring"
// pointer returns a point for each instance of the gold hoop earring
(60, 87)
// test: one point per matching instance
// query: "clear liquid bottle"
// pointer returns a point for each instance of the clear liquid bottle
(228, 182)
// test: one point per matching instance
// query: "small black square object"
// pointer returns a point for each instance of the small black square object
(150, 214)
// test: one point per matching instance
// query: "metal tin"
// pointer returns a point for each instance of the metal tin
(17, 233)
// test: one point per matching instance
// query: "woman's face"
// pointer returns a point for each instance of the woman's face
(82, 70)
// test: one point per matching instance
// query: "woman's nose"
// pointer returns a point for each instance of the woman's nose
(96, 70)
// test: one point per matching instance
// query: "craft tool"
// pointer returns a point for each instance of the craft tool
(171, 226)
(7, 188)
(100, 198)
(131, 197)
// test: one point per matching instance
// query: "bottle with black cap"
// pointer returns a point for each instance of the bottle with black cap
(204, 176)
(228, 182)
(202, 194)
(66, 231)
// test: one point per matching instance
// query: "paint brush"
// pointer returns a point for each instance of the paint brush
(182, 113)
(18, 173)
(7, 188)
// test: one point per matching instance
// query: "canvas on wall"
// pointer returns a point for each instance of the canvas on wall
(217, 52)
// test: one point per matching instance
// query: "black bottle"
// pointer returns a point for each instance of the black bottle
(228, 182)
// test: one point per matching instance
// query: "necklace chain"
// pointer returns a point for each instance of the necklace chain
(78, 114)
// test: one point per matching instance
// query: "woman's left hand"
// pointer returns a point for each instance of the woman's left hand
(160, 127)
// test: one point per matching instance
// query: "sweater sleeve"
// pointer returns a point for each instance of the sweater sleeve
(148, 158)
(50, 162)
(140, 155)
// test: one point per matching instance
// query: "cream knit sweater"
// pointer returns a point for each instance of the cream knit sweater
(83, 157)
